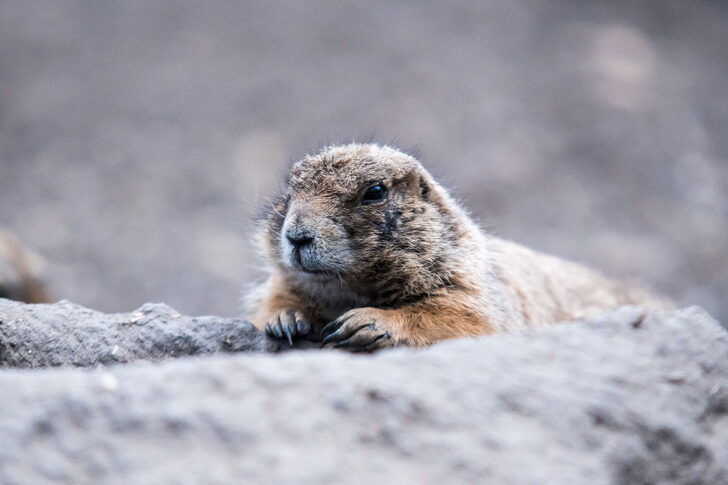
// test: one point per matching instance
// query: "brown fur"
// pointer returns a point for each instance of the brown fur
(20, 271)
(412, 269)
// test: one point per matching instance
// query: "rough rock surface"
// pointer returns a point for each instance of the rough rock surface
(612, 400)
(69, 334)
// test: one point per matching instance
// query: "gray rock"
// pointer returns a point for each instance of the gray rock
(611, 400)
(69, 334)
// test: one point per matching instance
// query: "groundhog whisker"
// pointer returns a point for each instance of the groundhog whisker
(278, 213)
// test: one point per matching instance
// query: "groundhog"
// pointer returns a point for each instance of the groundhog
(21, 271)
(366, 250)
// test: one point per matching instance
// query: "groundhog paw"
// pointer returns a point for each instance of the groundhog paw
(288, 324)
(358, 330)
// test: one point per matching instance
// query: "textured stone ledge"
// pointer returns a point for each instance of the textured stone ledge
(68, 334)
(610, 400)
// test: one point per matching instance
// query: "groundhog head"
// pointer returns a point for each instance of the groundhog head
(362, 213)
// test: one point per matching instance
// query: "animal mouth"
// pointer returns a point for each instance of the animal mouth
(314, 271)
(303, 264)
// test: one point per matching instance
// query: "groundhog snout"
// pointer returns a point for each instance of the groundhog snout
(313, 243)
(299, 237)
(300, 230)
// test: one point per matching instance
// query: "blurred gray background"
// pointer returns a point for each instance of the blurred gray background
(137, 138)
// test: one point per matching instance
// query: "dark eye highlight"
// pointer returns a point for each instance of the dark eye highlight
(375, 193)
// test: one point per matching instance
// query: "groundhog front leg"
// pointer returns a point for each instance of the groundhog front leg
(368, 329)
(279, 314)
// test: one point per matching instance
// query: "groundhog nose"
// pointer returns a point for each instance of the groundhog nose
(299, 239)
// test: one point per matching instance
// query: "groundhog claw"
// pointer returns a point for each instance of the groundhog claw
(331, 328)
(353, 345)
(349, 333)
(289, 325)
(371, 346)
(344, 333)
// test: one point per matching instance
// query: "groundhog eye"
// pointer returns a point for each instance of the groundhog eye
(375, 193)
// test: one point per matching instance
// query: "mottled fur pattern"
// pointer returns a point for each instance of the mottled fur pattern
(410, 269)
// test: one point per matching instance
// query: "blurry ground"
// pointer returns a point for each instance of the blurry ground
(137, 138)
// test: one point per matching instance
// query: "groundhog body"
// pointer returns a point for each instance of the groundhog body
(366, 250)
